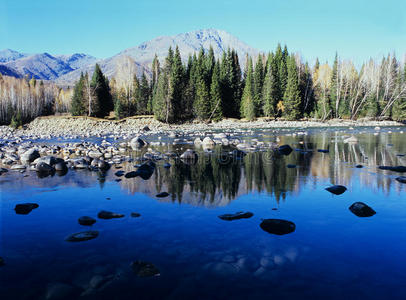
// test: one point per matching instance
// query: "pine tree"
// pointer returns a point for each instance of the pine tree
(248, 97)
(334, 87)
(101, 92)
(202, 102)
(258, 83)
(167, 98)
(291, 98)
(270, 90)
(215, 95)
(176, 83)
(78, 101)
(144, 91)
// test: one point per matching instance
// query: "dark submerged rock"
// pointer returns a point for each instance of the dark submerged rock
(135, 215)
(61, 166)
(359, 166)
(1, 262)
(285, 150)
(323, 150)
(144, 269)
(131, 174)
(336, 189)
(106, 215)
(162, 195)
(238, 154)
(86, 221)
(189, 155)
(236, 216)
(277, 226)
(82, 236)
(44, 168)
(119, 173)
(291, 166)
(25, 208)
(360, 209)
(103, 166)
(401, 179)
(59, 291)
(146, 170)
(400, 169)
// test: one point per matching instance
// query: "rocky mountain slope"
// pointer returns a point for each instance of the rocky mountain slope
(66, 69)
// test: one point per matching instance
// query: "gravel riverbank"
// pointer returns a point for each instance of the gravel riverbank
(63, 126)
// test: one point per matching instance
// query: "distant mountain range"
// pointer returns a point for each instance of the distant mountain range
(66, 69)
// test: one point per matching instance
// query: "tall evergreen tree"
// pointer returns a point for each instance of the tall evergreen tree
(248, 97)
(334, 87)
(258, 83)
(291, 98)
(270, 90)
(216, 113)
(101, 92)
(78, 101)
(202, 103)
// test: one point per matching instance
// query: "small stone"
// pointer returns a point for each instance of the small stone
(236, 216)
(277, 226)
(291, 166)
(135, 215)
(323, 150)
(144, 269)
(106, 215)
(25, 208)
(162, 195)
(82, 236)
(360, 209)
(400, 169)
(336, 189)
(401, 179)
(285, 150)
(359, 166)
(86, 221)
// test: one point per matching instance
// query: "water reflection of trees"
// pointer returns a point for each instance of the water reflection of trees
(217, 178)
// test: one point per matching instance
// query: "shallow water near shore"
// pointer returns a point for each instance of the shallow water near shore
(331, 254)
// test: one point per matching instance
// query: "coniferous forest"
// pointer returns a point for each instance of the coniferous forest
(205, 88)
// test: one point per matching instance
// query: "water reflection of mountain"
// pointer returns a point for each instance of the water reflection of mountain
(211, 183)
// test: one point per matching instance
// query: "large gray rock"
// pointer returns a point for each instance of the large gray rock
(44, 168)
(137, 143)
(29, 156)
(208, 142)
(49, 160)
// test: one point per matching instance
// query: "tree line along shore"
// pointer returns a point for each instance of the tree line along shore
(276, 85)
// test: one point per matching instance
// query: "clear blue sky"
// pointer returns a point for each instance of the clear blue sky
(356, 29)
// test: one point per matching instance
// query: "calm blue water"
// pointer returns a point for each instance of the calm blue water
(332, 254)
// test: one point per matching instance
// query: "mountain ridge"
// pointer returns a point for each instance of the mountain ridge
(66, 69)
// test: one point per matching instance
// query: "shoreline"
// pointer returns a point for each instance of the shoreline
(57, 126)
